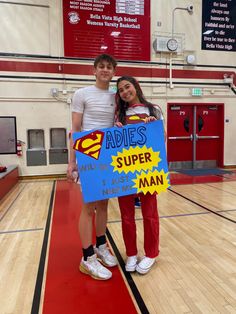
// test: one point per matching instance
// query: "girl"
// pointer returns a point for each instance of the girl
(132, 107)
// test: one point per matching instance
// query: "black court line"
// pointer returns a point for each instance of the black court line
(221, 189)
(202, 206)
(226, 210)
(178, 215)
(131, 283)
(9, 207)
(21, 230)
(39, 280)
(169, 216)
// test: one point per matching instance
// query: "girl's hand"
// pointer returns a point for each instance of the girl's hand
(149, 119)
(119, 124)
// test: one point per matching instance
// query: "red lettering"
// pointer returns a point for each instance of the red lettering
(147, 157)
(119, 163)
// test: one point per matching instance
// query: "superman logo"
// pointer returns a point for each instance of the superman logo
(90, 144)
(137, 118)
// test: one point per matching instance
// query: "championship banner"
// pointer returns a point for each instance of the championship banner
(219, 25)
(121, 161)
(121, 28)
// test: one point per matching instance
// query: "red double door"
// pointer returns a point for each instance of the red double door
(195, 135)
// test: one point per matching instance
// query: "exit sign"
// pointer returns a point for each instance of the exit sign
(196, 91)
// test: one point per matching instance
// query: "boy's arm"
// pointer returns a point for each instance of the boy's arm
(76, 127)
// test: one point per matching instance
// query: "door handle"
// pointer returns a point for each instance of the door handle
(190, 137)
(206, 137)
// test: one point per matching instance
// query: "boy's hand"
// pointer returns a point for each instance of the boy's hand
(71, 170)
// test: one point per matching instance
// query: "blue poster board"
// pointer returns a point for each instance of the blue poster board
(121, 161)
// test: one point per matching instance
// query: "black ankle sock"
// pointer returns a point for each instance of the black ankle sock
(100, 240)
(88, 252)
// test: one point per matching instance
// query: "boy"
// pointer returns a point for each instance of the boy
(93, 108)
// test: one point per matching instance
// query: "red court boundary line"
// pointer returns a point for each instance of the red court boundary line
(67, 290)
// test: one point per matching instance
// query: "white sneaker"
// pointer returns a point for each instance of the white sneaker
(94, 268)
(145, 265)
(104, 255)
(131, 263)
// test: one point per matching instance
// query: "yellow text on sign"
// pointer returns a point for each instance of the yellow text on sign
(135, 159)
(152, 182)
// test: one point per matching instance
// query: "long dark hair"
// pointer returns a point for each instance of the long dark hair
(122, 106)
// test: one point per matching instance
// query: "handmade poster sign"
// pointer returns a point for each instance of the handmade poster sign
(121, 161)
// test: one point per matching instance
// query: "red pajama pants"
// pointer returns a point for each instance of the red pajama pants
(150, 224)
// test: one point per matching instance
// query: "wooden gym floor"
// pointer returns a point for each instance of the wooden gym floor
(40, 252)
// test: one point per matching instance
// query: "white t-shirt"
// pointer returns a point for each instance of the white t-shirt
(97, 106)
(138, 112)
